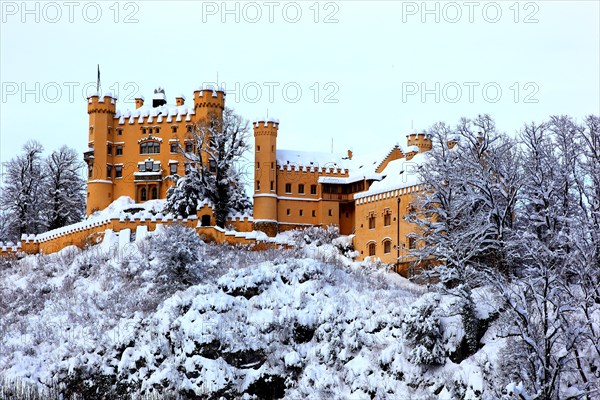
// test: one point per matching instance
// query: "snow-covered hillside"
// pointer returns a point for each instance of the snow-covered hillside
(175, 316)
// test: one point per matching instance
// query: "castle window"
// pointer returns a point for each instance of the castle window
(301, 212)
(189, 147)
(143, 194)
(118, 171)
(109, 149)
(144, 131)
(119, 132)
(387, 220)
(412, 243)
(272, 165)
(272, 186)
(212, 166)
(372, 249)
(330, 212)
(288, 188)
(372, 221)
(154, 193)
(387, 246)
(301, 188)
(91, 130)
(90, 170)
(119, 150)
(173, 169)
(109, 172)
(189, 128)
(148, 165)
(313, 190)
(257, 149)
(288, 212)
(314, 213)
(156, 167)
(174, 129)
(258, 186)
(173, 147)
(150, 148)
(156, 130)
(257, 165)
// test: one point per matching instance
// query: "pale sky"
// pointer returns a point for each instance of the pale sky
(358, 72)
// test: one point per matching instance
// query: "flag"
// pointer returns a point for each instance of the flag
(98, 82)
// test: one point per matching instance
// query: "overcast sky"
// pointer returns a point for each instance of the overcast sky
(358, 72)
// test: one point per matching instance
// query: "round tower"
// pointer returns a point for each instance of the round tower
(99, 158)
(265, 175)
(421, 140)
(209, 102)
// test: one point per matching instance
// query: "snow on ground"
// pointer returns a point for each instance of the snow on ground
(307, 323)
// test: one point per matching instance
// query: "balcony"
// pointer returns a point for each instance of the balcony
(151, 176)
(338, 196)
(88, 156)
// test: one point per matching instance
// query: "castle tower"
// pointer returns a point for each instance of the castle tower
(421, 140)
(265, 176)
(209, 102)
(99, 158)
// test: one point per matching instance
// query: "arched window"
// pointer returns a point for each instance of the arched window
(387, 246)
(143, 194)
(154, 193)
(371, 248)
(150, 148)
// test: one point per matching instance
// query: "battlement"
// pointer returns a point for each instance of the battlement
(421, 140)
(102, 104)
(265, 125)
(209, 96)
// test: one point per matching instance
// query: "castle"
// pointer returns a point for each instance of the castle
(132, 153)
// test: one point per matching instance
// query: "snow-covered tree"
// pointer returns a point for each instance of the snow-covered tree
(23, 195)
(465, 213)
(177, 250)
(549, 309)
(421, 329)
(218, 145)
(65, 201)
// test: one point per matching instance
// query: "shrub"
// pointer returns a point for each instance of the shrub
(421, 328)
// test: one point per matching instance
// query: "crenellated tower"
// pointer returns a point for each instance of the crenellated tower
(209, 102)
(422, 140)
(99, 158)
(265, 176)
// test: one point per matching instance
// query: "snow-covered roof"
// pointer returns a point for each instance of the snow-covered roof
(398, 174)
(310, 159)
(167, 111)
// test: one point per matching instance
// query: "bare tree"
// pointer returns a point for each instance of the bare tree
(23, 194)
(65, 203)
(218, 144)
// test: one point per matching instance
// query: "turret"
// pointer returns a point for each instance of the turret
(209, 101)
(265, 176)
(421, 140)
(139, 102)
(101, 112)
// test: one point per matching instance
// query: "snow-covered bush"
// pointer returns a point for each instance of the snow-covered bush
(177, 252)
(421, 328)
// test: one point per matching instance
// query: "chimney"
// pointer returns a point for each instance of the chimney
(159, 97)
(180, 100)
(139, 101)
